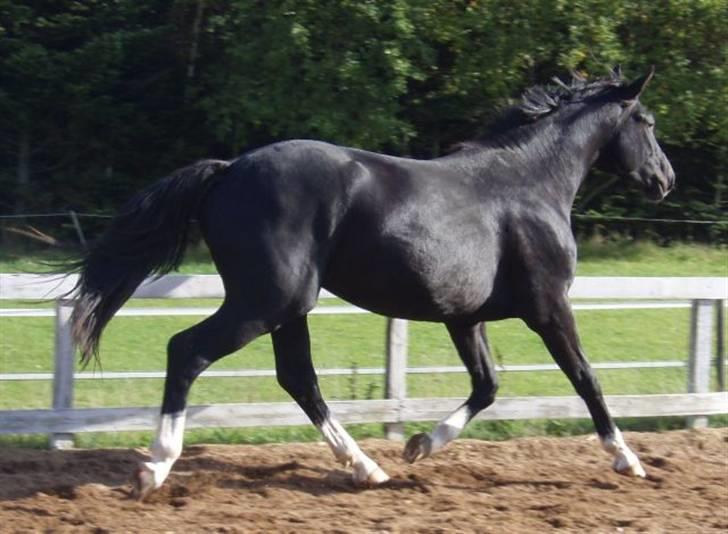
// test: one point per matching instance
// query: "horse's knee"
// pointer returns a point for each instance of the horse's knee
(288, 381)
(489, 395)
(483, 395)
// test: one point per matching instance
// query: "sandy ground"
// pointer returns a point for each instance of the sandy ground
(523, 485)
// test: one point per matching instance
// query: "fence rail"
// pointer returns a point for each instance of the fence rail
(388, 411)
(180, 286)
(327, 310)
(258, 373)
(704, 294)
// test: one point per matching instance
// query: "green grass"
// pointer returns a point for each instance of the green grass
(138, 343)
(644, 258)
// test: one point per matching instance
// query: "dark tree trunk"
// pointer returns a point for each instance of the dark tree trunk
(22, 171)
(195, 45)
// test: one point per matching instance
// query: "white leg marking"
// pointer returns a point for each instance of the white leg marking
(166, 448)
(366, 471)
(625, 461)
(423, 445)
(449, 428)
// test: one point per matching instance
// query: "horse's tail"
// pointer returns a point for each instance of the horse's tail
(148, 235)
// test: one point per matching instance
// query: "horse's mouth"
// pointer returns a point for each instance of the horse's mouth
(656, 187)
(655, 184)
(656, 190)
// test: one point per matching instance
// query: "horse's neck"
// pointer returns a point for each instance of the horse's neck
(563, 155)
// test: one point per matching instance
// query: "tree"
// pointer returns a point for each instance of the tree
(331, 70)
(82, 86)
(98, 98)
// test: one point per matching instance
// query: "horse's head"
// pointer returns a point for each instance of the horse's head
(633, 150)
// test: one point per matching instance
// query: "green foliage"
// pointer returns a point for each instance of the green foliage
(98, 98)
(332, 70)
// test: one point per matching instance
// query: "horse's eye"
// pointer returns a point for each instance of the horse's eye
(649, 121)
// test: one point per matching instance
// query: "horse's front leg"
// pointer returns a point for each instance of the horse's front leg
(557, 328)
(472, 346)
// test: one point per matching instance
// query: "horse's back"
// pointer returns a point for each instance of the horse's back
(288, 182)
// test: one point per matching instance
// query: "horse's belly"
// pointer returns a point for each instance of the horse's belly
(395, 289)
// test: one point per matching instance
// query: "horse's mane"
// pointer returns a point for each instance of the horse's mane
(537, 102)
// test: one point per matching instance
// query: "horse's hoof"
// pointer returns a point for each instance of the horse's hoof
(624, 467)
(418, 447)
(362, 479)
(143, 482)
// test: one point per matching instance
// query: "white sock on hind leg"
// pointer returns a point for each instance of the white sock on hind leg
(167, 447)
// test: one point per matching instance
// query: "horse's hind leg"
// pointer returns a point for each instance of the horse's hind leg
(472, 346)
(297, 376)
(558, 331)
(189, 353)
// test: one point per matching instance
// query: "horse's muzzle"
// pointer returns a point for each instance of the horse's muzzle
(658, 179)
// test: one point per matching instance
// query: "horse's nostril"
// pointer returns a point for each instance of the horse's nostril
(668, 172)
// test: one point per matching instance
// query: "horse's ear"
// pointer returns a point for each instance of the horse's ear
(629, 94)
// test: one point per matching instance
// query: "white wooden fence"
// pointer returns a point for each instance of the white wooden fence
(705, 295)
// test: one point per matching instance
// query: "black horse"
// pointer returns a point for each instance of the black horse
(478, 235)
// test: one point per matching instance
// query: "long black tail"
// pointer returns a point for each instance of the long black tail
(148, 235)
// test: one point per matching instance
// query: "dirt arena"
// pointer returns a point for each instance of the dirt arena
(523, 485)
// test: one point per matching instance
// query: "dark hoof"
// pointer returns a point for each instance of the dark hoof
(418, 447)
(143, 482)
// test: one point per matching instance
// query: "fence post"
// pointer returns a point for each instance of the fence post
(396, 375)
(701, 341)
(64, 352)
(720, 343)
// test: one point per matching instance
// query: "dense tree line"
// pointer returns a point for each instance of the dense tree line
(97, 98)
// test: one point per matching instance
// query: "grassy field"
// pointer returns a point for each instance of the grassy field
(137, 343)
